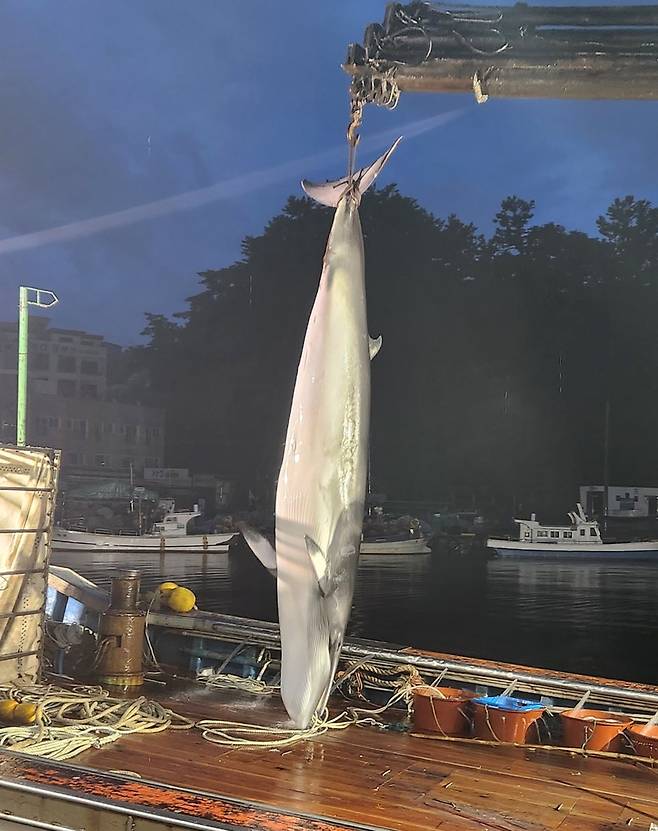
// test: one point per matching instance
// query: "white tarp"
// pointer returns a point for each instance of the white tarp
(28, 483)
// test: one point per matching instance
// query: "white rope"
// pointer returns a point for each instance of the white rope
(69, 721)
(237, 734)
(236, 682)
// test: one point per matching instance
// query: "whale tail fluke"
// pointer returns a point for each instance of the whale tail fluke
(330, 193)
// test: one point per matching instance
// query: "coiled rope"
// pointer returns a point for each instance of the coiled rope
(69, 721)
(227, 681)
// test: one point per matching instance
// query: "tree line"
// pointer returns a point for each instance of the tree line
(499, 353)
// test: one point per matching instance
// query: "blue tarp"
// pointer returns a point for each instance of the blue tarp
(506, 702)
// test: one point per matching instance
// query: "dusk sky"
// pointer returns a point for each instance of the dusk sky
(107, 107)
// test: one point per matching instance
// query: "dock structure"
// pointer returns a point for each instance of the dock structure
(519, 51)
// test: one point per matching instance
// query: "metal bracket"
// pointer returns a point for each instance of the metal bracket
(35, 298)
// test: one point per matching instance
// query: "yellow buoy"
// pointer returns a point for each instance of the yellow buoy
(167, 587)
(181, 600)
(25, 714)
(7, 707)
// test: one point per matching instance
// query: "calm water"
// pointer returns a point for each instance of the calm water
(598, 618)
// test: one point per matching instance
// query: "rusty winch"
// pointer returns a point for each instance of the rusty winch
(119, 660)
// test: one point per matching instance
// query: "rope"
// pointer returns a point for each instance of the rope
(69, 721)
(217, 679)
(236, 682)
(362, 673)
(237, 734)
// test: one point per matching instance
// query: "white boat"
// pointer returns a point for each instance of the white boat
(392, 535)
(413, 545)
(582, 539)
(169, 535)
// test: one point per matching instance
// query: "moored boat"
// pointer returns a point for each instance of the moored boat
(171, 534)
(393, 535)
(411, 545)
(581, 539)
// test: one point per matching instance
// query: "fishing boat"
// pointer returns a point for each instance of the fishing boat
(580, 539)
(171, 534)
(393, 535)
(390, 541)
(409, 545)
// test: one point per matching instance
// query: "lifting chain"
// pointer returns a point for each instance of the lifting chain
(380, 89)
(356, 117)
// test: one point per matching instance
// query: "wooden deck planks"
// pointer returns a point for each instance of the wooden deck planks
(390, 779)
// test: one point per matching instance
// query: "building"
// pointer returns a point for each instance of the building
(624, 501)
(71, 404)
(63, 362)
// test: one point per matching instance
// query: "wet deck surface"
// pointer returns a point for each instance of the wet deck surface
(388, 779)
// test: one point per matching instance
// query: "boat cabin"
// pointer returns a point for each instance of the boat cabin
(581, 530)
(174, 525)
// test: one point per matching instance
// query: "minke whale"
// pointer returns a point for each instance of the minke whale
(322, 483)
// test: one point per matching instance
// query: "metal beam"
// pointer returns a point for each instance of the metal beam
(594, 52)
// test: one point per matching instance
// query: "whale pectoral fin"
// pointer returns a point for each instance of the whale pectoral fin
(319, 563)
(374, 345)
(260, 546)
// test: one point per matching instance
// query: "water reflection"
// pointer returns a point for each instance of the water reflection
(597, 618)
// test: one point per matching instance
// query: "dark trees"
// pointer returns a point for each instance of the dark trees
(498, 355)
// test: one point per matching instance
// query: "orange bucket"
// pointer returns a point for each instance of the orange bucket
(594, 729)
(644, 740)
(444, 710)
(502, 718)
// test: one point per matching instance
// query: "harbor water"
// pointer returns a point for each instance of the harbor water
(597, 618)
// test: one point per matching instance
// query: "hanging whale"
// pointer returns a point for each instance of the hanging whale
(322, 483)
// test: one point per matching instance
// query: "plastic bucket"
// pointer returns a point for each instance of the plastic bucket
(502, 718)
(444, 710)
(644, 740)
(594, 729)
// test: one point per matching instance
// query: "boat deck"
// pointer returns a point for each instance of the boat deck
(382, 778)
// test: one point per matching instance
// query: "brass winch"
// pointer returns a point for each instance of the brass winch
(119, 661)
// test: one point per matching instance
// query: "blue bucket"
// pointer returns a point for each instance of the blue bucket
(506, 719)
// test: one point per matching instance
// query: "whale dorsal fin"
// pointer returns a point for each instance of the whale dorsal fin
(374, 345)
(260, 546)
(330, 193)
(319, 562)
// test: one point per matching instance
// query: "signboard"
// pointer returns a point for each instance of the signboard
(168, 475)
(204, 480)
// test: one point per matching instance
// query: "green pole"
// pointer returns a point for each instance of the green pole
(21, 404)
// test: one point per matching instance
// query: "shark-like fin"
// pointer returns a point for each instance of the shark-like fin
(374, 345)
(330, 193)
(260, 546)
(319, 563)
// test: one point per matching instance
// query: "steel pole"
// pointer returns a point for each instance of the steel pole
(21, 399)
